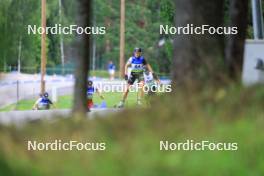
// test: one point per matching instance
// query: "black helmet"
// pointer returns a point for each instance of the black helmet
(138, 50)
(90, 83)
(46, 95)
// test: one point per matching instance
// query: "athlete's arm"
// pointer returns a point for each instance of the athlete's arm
(148, 66)
(127, 65)
(156, 78)
(126, 68)
(50, 102)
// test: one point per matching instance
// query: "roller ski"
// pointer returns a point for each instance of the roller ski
(121, 104)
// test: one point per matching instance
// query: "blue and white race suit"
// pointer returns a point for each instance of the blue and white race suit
(90, 92)
(137, 68)
(43, 103)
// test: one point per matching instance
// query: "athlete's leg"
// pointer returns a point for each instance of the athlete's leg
(130, 82)
(141, 92)
(126, 92)
(122, 102)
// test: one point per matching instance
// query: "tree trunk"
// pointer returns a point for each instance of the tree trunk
(19, 55)
(235, 43)
(61, 41)
(198, 58)
(107, 43)
(82, 67)
(122, 38)
(43, 46)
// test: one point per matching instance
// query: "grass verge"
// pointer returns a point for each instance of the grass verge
(133, 137)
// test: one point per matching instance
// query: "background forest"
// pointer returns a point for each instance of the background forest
(142, 29)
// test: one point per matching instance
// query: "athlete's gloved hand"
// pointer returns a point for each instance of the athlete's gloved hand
(126, 77)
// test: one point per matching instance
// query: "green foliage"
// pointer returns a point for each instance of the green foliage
(167, 11)
(15, 16)
(142, 30)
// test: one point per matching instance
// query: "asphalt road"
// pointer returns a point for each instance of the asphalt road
(19, 118)
(21, 86)
(14, 87)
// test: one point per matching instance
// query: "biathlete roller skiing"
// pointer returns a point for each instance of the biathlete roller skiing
(138, 65)
(43, 102)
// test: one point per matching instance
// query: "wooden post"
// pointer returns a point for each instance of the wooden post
(19, 55)
(122, 40)
(17, 83)
(61, 41)
(257, 19)
(43, 45)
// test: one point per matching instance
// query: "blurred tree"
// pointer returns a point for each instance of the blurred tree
(82, 68)
(198, 58)
(235, 43)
